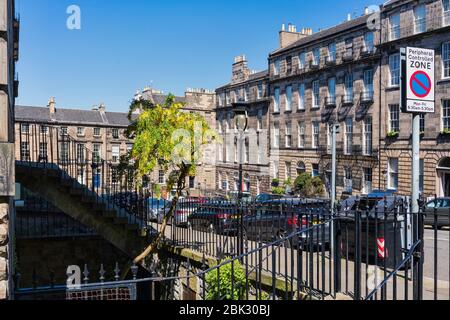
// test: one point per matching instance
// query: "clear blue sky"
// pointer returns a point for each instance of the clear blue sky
(124, 45)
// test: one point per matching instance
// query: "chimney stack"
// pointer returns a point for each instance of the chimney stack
(102, 107)
(366, 11)
(291, 35)
(51, 105)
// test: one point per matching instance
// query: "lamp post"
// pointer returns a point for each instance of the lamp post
(241, 118)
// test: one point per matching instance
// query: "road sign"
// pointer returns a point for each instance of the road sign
(419, 86)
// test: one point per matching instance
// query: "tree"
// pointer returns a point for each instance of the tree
(308, 186)
(169, 139)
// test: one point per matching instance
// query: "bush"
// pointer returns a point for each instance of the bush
(232, 282)
(308, 186)
(278, 191)
(275, 183)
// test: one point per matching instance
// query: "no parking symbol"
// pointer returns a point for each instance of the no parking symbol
(420, 80)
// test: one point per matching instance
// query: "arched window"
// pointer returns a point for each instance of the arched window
(247, 183)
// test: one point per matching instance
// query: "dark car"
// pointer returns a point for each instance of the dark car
(155, 208)
(267, 197)
(437, 213)
(221, 218)
(277, 219)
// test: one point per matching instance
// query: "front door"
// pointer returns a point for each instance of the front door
(446, 184)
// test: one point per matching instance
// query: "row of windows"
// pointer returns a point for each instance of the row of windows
(394, 118)
(315, 92)
(224, 183)
(330, 56)
(81, 131)
(301, 126)
(420, 22)
(241, 94)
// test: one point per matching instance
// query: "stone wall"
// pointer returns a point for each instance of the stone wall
(3, 250)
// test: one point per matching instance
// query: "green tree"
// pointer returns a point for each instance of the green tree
(227, 282)
(167, 138)
(308, 186)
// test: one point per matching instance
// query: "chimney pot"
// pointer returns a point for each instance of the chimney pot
(51, 105)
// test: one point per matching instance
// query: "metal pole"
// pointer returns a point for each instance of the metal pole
(241, 224)
(333, 207)
(416, 163)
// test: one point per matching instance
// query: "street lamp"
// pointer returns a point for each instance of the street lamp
(241, 118)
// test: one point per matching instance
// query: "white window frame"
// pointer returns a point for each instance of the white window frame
(368, 136)
(394, 26)
(276, 67)
(394, 70)
(316, 57)
(288, 134)
(369, 41)
(301, 134)
(445, 115)
(332, 88)
(420, 19)
(276, 135)
(446, 59)
(392, 177)
(301, 96)
(332, 52)
(288, 98)
(302, 60)
(315, 127)
(348, 136)
(446, 13)
(315, 90)
(115, 153)
(276, 100)
(367, 185)
(394, 116)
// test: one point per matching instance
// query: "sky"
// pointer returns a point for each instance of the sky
(126, 45)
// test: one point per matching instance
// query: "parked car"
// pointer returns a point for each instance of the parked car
(437, 213)
(246, 196)
(277, 219)
(267, 197)
(216, 217)
(182, 212)
(155, 207)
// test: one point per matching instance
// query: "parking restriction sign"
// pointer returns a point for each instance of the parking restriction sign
(419, 82)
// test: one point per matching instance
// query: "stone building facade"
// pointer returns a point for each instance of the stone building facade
(423, 24)
(9, 46)
(250, 89)
(324, 78)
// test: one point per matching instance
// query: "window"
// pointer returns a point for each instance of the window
(316, 57)
(301, 168)
(259, 149)
(329, 137)
(219, 124)
(288, 134)
(24, 151)
(301, 96)
(288, 65)
(446, 12)
(394, 26)
(43, 155)
(276, 170)
(228, 151)
(368, 81)
(236, 151)
(301, 134)
(422, 123)
(368, 135)
(191, 182)
(161, 177)
(315, 134)
(348, 82)
(420, 19)
(44, 130)
(115, 133)
(64, 152)
(349, 136)
(276, 100)
(80, 131)
(260, 91)
(315, 172)
(247, 93)
(332, 52)
(227, 98)
(25, 128)
(394, 121)
(258, 186)
(301, 60)
(332, 91)
(394, 67)
(368, 177)
(276, 135)
(316, 93)
(97, 150)
(288, 98)
(393, 173)
(422, 176)
(276, 67)
(225, 185)
(446, 60)
(348, 180)
(115, 153)
(260, 120)
(97, 132)
(368, 42)
(288, 171)
(446, 115)
(63, 131)
(220, 153)
(348, 54)
(80, 152)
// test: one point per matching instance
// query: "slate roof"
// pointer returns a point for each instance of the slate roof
(252, 77)
(71, 116)
(324, 34)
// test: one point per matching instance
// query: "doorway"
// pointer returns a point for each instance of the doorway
(444, 177)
